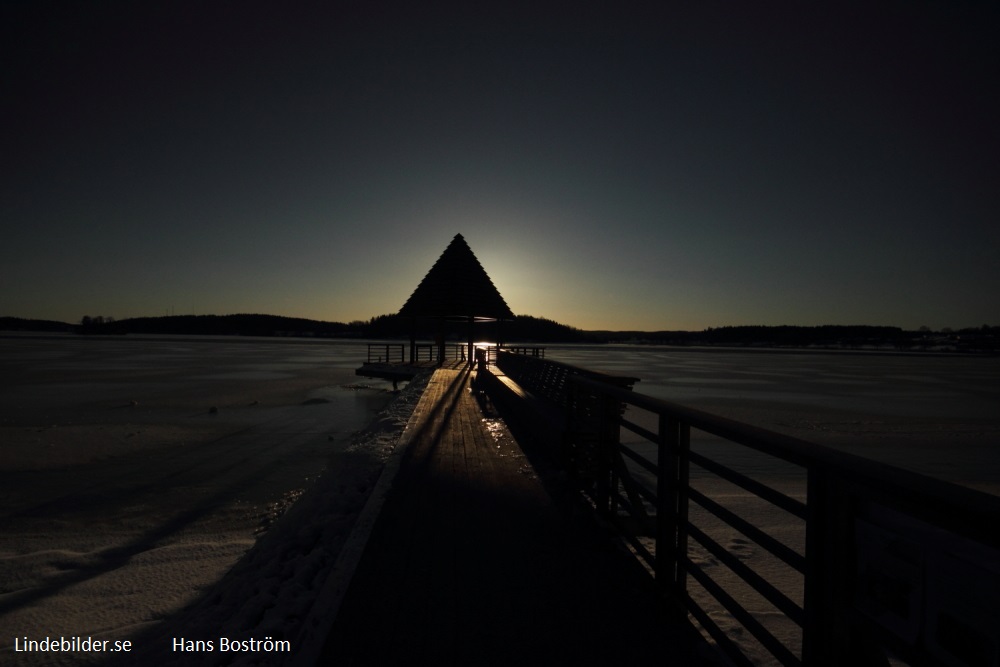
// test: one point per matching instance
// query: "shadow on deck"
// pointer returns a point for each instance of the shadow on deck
(472, 563)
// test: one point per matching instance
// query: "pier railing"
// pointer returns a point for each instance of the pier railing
(889, 560)
(395, 353)
(429, 352)
(546, 378)
(386, 353)
(529, 350)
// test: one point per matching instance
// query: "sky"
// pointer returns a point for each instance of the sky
(621, 166)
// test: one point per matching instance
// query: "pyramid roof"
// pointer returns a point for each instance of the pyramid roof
(457, 286)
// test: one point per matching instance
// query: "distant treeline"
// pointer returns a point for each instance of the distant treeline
(525, 328)
(216, 325)
(780, 335)
(827, 336)
(44, 326)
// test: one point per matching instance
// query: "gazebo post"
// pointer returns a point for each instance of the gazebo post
(413, 339)
(439, 341)
(472, 338)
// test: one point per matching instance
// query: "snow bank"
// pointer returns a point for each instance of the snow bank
(287, 587)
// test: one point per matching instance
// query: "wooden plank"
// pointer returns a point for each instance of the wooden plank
(471, 562)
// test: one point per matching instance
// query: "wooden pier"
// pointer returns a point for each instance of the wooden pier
(388, 361)
(472, 562)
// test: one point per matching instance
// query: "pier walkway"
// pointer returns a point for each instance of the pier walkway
(471, 562)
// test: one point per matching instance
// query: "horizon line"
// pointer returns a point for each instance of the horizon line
(922, 328)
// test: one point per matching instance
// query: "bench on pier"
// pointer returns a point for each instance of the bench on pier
(536, 394)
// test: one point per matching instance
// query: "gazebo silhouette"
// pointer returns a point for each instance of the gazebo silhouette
(456, 288)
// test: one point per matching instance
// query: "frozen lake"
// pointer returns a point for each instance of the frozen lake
(935, 414)
(134, 472)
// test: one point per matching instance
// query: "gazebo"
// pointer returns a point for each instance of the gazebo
(456, 288)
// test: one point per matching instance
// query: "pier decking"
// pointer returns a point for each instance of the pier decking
(471, 562)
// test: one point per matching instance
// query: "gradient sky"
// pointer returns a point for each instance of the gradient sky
(612, 166)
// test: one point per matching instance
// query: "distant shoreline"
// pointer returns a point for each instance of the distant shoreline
(528, 328)
(315, 340)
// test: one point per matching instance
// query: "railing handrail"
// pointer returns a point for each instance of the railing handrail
(395, 352)
(845, 494)
(535, 350)
(387, 347)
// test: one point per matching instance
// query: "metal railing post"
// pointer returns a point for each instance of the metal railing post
(683, 481)
(666, 514)
(672, 508)
(829, 635)
(606, 479)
